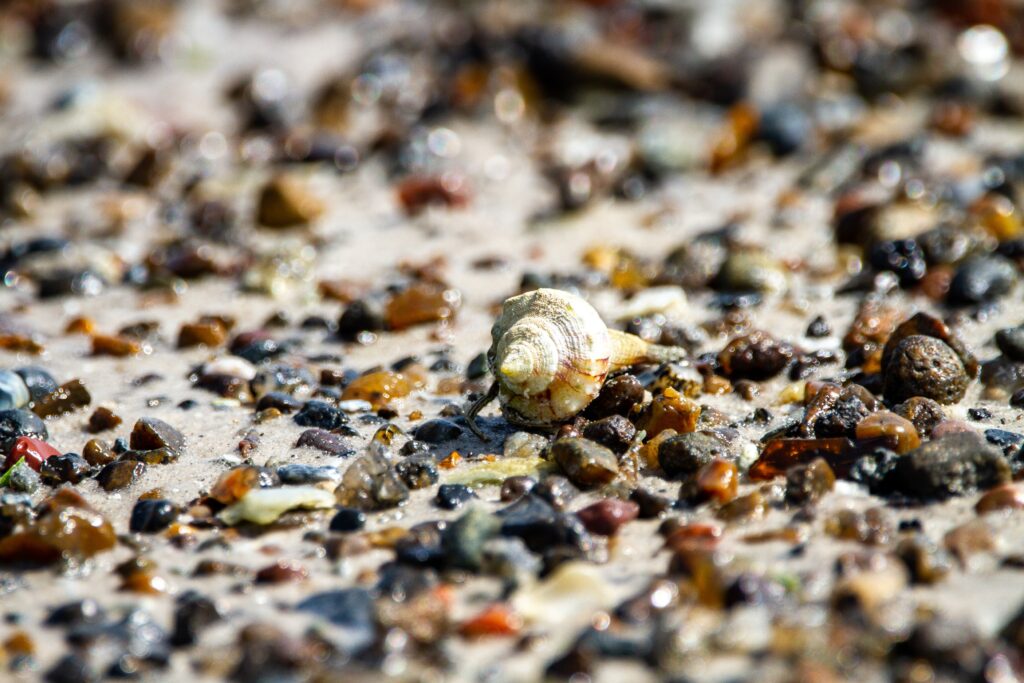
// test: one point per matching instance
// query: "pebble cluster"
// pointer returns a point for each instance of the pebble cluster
(243, 443)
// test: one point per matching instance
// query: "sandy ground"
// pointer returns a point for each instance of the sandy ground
(363, 235)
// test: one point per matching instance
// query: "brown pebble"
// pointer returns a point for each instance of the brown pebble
(111, 345)
(925, 366)
(755, 356)
(201, 334)
(947, 427)
(716, 481)
(745, 508)
(286, 202)
(98, 452)
(969, 539)
(898, 432)
(1003, 497)
(120, 474)
(378, 388)
(670, 411)
(103, 419)
(282, 572)
(420, 304)
(150, 433)
(922, 412)
(67, 398)
(606, 516)
(809, 483)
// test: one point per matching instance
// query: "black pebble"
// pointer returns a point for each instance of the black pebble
(151, 516)
(418, 471)
(437, 431)
(982, 280)
(38, 380)
(819, 328)
(16, 422)
(348, 519)
(69, 468)
(286, 403)
(320, 414)
(453, 496)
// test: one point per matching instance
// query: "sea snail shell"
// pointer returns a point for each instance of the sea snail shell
(550, 354)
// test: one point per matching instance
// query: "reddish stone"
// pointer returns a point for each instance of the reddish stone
(35, 451)
(781, 454)
(606, 516)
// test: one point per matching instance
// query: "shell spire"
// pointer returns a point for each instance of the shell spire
(550, 355)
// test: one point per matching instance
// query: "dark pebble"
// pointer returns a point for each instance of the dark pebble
(15, 422)
(328, 442)
(362, 315)
(542, 527)
(1011, 342)
(514, 488)
(807, 484)
(756, 356)
(260, 350)
(286, 403)
(72, 668)
(69, 468)
(613, 432)
(299, 473)
(478, 367)
(556, 490)
(150, 433)
(418, 471)
(925, 366)
(818, 328)
(954, 465)
(350, 608)
(120, 474)
(923, 413)
(982, 280)
(586, 463)
(320, 414)
(651, 505)
(348, 519)
(979, 414)
(617, 397)
(437, 431)
(682, 455)
(39, 381)
(902, 257)
(151, 516)
(453, 496)
(69, 614)
(193, 613)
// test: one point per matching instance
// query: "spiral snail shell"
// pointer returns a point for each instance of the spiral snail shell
(550, 354)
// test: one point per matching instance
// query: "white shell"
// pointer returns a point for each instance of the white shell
(550, 355)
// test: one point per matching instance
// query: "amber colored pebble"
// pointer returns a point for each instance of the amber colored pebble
(790, 534)
(67, 398)
(718, 481)
(65, 526)
(749, 507)
(378, 388)
(144, 583)
(20, 343)
(779, 455)
(19, 644)
(873, 527)
(80, 325)
(734, 138)
(286, 202)
(103, 419)
(201, 334)
(153, 494)
(343, 291)
(98, 452)
(998, 216)
(809, 483)
(111, 345)
(495, 620)
(420, 304)
(453, 459)
(969, 539)
(1004, 497)
(715, 385)
(282, 572)
(702, 568)
(898, 431)
(234, 484)
(671, 411)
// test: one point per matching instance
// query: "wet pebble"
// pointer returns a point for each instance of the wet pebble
(683, 455)
(756, 356)
(606, 516)
(69, 468)
(925, 366)
(514, 488)
(982, 280)
(18, 422)
(120, 474)
(151, 516)
(809, 483)
(954, 465)
(150, 434)
(321, 415)
(347, 519)
(617, 397)
(586, 463)
(369, 483)
(297, 473)
(38, 381)
(34, 451)
(286, 403)
(614, 432)
(13, 392)
(437, 430)
(453, 496)
(418, 471)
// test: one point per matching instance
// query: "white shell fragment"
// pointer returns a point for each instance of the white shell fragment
(575, 588)
(263, 506)
(669, 301)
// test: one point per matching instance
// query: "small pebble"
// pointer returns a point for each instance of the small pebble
(120, 474)
(320, 415)
(152, 516)
(437, 431)
(13, 392)
(347, 519)
(925, 366)
(605, 517)
(585, 463)
(453, 496)
(69, 468)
